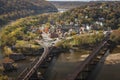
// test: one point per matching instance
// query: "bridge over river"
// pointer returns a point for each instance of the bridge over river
(82, 71)
(29, 71)
(85, 70)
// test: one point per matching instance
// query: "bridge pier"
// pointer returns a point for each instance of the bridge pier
(39, 76)
(47, 61)
(36, 76)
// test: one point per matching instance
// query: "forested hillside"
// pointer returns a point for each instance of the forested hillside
(95, 13)
(26, 29)
(14, 9)
(68, 5)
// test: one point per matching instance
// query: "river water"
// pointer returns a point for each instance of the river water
(63, 65)
(58, 69)
(62, 10)
(60, 66)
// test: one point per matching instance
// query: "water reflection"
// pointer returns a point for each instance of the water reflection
(63, 65)
(59, 68)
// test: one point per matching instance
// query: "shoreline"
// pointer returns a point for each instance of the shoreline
(111, 68)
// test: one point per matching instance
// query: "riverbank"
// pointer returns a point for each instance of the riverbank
(111, 67)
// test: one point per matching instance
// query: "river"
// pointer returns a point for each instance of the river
(63, 65)
(60, 66)
(62, 10)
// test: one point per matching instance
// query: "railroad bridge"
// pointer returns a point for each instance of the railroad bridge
(30, 73)
(87, 70)
(83, 70)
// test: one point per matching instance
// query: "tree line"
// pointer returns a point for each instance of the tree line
(15, 9)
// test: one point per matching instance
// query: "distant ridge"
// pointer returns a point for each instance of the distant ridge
(14, 9)
(68, 4)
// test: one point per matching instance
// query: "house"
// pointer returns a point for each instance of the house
(53, 35)
(82, 30)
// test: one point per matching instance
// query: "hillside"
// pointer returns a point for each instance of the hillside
(14, 9)
(99, 15)
(68, 5)
(93, 15)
